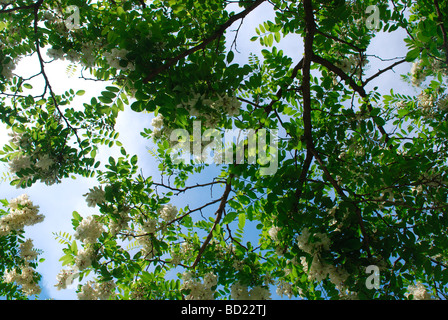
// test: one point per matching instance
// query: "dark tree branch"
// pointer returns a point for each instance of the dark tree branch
(218, 214)
(218, 33)
(383, 70)
(359, 89)
(442, 28)
(309, 56)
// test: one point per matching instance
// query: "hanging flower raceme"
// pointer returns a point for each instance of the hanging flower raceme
(22, 213)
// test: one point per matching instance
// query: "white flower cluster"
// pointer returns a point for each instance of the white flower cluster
(426, 101)
(42, 163)
(22, 213)
(223, 104)
(95, 197)
(84, 258)
(150, 226)
(418, 292)
(147, 247)
(168, 212)
(88, 230)
(65, 278)
(94, 291)
(352, 65)
(7, 69)
(27, 251)
(242, 292)
(25, 279)
(418, 74)
(157, 123)
(115, 56)
(86, 57)
(273, 232)
(199, 290)
(119, 224)
(284, 289)
(314, 247)
(319, 269)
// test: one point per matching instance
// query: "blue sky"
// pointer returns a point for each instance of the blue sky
(57, 202)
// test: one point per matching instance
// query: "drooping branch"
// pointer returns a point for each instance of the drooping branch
(218, 33)
(37, 6)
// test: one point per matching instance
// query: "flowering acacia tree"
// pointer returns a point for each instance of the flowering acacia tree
(362, 174)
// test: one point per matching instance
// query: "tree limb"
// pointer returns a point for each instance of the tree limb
(218, 214)
(218, 33)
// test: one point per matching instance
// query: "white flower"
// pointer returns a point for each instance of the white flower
(150, 226)
(239, 292)
(260, 293)
(230, 105)
(199, 290)
(120, 223)
(26, 250)
(24, 279)
(210, 279)
(168, 212)
(426, 101)
(442, 103)
(45, 162)
(273, 233)
(95, 196)
(417, 73)
(8, 69)
(114, 57)
(23, 213)
(419, 292)
(105, 290)
(156, 134)
(284, 288)
(64, 278)
(57, 54)
(88, 292)
(88, 230)
(157, 122)
(84, 258)
(19, 162)
(73, 56)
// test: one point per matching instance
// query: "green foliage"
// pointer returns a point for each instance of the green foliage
(361, 172)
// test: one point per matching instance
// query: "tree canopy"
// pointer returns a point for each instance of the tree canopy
(332, 186)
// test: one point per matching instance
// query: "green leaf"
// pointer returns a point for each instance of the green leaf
(80, 92)
(137, 106)
(412, 54)
(134, 160)
(241, 221)
(229, 217)
(230, 56)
